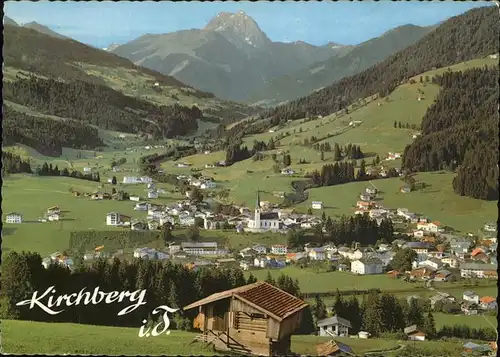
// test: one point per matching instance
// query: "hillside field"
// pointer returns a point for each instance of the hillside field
(61, 338)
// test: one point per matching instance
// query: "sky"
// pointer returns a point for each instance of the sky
(349, 23)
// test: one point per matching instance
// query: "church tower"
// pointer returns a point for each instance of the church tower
(257, 212)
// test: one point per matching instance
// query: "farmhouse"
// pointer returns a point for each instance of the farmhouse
(367, 266)
(254, 319)
(317, 205)
(429, 227)
(334, 326)
(414, 333)
(117, 219)
(13, 217)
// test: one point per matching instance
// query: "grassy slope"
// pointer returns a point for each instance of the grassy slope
(60, 338)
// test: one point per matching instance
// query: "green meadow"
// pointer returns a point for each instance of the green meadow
(66, 338)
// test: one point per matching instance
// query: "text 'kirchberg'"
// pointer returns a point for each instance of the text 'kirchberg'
(137, 298)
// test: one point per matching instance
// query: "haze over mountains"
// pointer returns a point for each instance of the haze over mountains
(234, 59)
(231, 56)
(35, 26)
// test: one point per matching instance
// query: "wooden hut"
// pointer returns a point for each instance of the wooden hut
(256, 319)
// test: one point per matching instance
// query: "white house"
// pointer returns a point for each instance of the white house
(13, 217)
(135, 198)
(146, 179)
(260, 262)
(287, 171)
(470, 296)
(317, 205)
(208, 184)
(490, 227)
(431, 262)
(87, 169)
(334, 326)
(54, 217)
(279, 249)
(152, 194)
(141, 206)
(130, 179)
(367, 266)
(317, 254)
(117, 219)
(260, 249)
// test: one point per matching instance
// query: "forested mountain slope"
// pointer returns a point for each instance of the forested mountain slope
(85, 86)
(461, 131)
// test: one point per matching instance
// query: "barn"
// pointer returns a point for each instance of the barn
(256, 319)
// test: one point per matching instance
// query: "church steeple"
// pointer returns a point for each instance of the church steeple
(258, 200)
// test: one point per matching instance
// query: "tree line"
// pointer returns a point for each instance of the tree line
(345, 231)
(350, 151)
(38, 133)
(14, 164)
(344, 172)
(167, 284)
(460, 131)
(49, 170)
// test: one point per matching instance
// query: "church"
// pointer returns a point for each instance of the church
(263, 221)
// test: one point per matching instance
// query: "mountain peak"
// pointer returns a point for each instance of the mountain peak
(8, 21)
(238, 28)
(43, 29)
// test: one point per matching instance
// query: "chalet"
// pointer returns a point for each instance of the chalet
(248, 253)
(317, 205)
(117, 219)
(138, 226)
(433, 227)
(422, 273)
(254, 319)
(488, 303)
(334, 326)
(460, 246)
(414, 333)
(367, 266)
